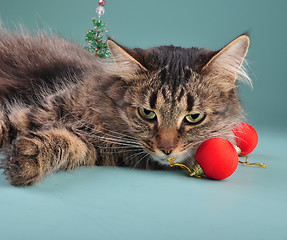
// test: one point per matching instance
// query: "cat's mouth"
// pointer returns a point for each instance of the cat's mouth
(178, 158)
(162, 156)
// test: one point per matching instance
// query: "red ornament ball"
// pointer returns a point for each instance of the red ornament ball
(217, 157)
(246, 138)
(102, 3)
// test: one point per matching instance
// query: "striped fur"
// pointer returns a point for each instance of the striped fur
(63, 108)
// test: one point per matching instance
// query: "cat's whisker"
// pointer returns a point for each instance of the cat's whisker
(124, 151)
(108, 141)
(146, 146)
(141, 159)
(147, 163)
(117, 143)
(133, 156)
(117, 133)
(112, 140)
(120, 140)
(115, 140)
(136, 155)
(105, 130)
(117, 147)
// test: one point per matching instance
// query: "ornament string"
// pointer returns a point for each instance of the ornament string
(191, 172)
(259, 164)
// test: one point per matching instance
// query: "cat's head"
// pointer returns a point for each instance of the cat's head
(178, 97)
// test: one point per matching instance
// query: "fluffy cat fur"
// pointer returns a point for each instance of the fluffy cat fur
(61, 107)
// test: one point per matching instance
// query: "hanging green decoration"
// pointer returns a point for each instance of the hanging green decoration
(95, 38)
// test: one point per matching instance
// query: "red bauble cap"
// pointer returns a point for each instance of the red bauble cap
(217, 157)
(246, 138)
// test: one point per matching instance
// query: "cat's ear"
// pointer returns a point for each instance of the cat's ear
(127, 64)
(227, 63)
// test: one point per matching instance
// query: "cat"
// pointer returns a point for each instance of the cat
(61, 107)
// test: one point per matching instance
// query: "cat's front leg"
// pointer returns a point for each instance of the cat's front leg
(12, 124)
(36, 155)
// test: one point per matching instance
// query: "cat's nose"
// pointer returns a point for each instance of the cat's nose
(167, 151)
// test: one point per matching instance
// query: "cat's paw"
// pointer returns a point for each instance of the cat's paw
(22, 168)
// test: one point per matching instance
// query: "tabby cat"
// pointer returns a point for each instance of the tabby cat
(61, 107)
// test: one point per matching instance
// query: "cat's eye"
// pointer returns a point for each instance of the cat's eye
(195, 118)
(146, 114)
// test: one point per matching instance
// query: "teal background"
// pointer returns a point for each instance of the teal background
(110, 203)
